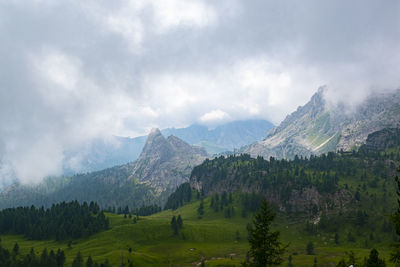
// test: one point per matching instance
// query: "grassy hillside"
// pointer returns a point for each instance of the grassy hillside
(218, 240)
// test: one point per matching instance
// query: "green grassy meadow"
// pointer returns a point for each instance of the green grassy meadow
(211, 238)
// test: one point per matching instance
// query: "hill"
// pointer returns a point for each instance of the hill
(317, 127)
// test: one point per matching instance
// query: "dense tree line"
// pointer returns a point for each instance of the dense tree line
(282, 177)
(46, 259)
(181, 196)
(142, 211)
(61, 221)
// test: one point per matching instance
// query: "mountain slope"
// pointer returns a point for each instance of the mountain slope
(164, 164)
(317, 128)
(100, 153)
(226, 137)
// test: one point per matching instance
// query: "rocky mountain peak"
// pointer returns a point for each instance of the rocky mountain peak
(165, 163)
(156, 146)
(315, 129)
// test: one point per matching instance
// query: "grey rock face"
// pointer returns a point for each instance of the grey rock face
(165, 163)
(317, 128)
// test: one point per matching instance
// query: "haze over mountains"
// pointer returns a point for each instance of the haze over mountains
(100, 154)
(163, 164)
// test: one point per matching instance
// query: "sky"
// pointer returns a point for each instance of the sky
(72, 71)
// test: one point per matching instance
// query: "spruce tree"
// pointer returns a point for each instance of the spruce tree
(16, 249)
(78, 261)
(179, 221)
(395, 255)
(374, 260)
(89, 262)
(265, 247)
(174, 225)
(200, 210)
(310, 248)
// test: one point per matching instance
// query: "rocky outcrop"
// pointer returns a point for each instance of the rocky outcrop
(382, 140)
(318, 128)
(165, 163)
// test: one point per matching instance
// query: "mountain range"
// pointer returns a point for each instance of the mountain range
(167, 162)
(101, 153)
(163, 164)
(318, 127)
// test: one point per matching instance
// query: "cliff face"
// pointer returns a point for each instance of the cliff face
(316, 128)
(165, 163)
(381, 140)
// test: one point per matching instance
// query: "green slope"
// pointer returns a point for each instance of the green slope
(212, 238)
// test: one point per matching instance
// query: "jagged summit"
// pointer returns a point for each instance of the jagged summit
(166, 162)
(316, 128)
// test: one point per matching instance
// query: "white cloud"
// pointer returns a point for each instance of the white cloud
(214, 116)
(76, 70)
(137, 20)
(169, 14)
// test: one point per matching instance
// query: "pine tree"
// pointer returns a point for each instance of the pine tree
(200, 209)
(290, 264)
(179, 221)
(174, 225)
(16, 249)
(310, 248)
(374, 260)
(395, 255)
(60, 257)
(265, 247)
(78, 261)
(89, 262)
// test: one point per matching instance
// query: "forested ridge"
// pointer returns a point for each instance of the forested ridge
(352, 172)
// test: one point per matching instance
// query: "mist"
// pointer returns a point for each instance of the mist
(75, 71)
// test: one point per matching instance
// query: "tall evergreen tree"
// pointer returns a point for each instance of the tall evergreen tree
(200, 209)
(89, 262)
(374, 260)
(16, 249)
(78, 261)
(265, 247)
(395, 255)
(174, 225)
(60, 257)
(179, 221)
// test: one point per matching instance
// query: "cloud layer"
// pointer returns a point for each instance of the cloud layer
(76, 70)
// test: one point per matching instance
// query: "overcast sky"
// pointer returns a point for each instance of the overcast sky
(74, 70)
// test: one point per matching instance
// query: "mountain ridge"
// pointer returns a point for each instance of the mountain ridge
(100, 154)
(164, 164)
(317, 127)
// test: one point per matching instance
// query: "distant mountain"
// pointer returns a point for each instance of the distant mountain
(100, 154)
(163, 164)
(226, 137)
(317, 128)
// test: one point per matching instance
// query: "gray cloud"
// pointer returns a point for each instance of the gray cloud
(73, 71)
